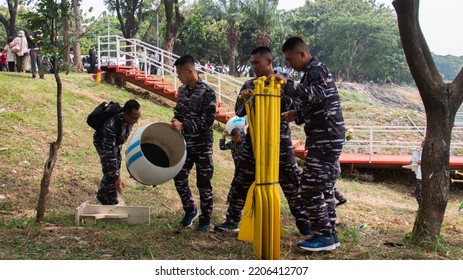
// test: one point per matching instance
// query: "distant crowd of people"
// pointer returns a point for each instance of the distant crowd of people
(22, 53)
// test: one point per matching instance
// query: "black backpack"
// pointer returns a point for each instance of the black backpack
(101, 113)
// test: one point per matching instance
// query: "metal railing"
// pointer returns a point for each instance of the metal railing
(389, 140)
(116, 50)
(395, 140)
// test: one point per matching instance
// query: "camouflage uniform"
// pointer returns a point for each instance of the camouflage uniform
(195, 109)
(289, 174)
(236, 149)
(337, 194)
(320, 110)
(108, 143)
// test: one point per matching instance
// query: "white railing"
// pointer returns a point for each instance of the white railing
(395, 140)
(116, 50)
(390, 140)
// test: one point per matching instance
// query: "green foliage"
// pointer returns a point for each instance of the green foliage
(448, 66)
(359, 40)
(22, 223)
(347, 95)
(262, 12)
(203, 34)
(47, 18)
(130, 13)
(354, 235)
(98, 27)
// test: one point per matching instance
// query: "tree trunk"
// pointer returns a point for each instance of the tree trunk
(436, 174)
(233, 37)
(172, 26)
(129, 26)
(77, 33)
(441, 102)
(10, 24)
(53, 153)
(66, 37)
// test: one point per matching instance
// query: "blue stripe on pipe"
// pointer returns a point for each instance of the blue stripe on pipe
(133, 146)
(134, 158)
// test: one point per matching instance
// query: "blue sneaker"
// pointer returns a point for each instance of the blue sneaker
(318, 243)
(336, 240)
(188, 219)
(202, 227)
(227, 226)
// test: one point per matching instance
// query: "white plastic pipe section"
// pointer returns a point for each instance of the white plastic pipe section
(155, 154)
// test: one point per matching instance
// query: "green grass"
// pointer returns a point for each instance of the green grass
(347, 95)
(29, 123)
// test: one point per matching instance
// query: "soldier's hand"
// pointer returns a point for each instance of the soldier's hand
(289, 116)
(176, 125)
(278, 77)
(224, 134)
(119, 185)
(245, 93)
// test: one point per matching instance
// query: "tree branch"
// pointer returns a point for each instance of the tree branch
(416, 50)
(458, 82)
(4, 21)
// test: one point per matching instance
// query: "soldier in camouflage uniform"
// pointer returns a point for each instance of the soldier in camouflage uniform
(194, 115)
(289, 174)
(108, 143)
(320, 110)
(235, 145)
(337, 193)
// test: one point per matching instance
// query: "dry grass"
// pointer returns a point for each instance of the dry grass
(373, 225)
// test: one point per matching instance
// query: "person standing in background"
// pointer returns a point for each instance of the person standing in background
(33, 41)
(10, 55)
(3, 61)
(92, 60)
(21, 50)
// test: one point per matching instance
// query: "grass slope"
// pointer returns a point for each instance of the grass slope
(378, 213)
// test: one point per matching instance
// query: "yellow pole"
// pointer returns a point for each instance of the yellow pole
(246, 232)
(98, 77)
(263, 224)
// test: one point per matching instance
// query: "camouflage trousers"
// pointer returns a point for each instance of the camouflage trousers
(289, 176)
(418, 189)
(111, 165)
(204, 172)
(338, 195)
(317, 188)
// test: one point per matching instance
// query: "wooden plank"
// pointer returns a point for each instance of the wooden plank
(79, 211)
(104, 216)
(133, 214)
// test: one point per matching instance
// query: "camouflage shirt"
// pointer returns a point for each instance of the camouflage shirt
(287, 103)
(234, 147)
(320, 107)
(195, 109)
(112, 135)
